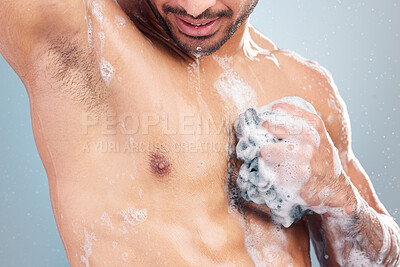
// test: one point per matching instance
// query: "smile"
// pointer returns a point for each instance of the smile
(197, 27)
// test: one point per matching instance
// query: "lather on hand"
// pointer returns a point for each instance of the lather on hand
(291, 163)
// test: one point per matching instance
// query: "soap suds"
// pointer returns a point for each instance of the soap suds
(251, 249)
(342, 223)
(102, 39)
(90, 33)
(87, 247)
(97, 11)
(232, 87)
(105, 218)
(132, 217)
(107, 71)
(275, 185)
(120, 21)
(125, 256)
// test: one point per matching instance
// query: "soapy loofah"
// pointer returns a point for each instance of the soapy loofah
(257, 180)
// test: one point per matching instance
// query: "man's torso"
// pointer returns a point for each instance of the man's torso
(139, 150)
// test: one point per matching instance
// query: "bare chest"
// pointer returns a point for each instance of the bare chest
(159, 147)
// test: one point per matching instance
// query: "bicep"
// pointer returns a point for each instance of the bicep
(25, 24)
(338, 125)
(320, 90)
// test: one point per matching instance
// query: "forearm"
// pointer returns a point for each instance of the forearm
(363, 238)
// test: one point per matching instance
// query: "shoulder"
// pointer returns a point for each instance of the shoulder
(260, 39)
(314, 83)
(305, 71)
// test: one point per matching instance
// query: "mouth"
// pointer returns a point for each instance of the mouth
(197, 27)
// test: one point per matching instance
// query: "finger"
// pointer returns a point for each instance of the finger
(275, 153)
(315, 128)
(311, 118)
(279, 132)
(288, 128)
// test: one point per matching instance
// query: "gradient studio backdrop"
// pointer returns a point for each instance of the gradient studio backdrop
(357, 42)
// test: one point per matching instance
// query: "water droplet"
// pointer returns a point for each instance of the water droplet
(199, 49)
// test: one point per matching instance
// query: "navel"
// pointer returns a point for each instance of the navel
(159, 164)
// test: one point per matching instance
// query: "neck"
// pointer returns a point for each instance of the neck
(234, 46)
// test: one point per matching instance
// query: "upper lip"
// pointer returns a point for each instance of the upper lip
(196, 22)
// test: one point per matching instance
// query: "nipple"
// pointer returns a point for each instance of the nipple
(159, 164)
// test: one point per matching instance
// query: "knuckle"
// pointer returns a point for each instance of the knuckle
(316, 122)
(319, 123)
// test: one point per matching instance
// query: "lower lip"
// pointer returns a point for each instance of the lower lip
(197, 31)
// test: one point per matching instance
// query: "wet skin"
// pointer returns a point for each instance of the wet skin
(146, 194)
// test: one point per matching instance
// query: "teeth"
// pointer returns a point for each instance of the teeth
(198, 25)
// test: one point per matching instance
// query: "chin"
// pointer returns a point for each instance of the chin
(200, 48)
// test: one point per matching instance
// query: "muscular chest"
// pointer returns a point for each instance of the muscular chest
(161, 143)
(177, 119)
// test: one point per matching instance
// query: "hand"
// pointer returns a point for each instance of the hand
(306, 160)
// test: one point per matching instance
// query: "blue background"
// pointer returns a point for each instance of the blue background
(357, 42)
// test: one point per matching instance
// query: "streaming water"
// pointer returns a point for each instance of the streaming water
(198, 73)
(195, 71)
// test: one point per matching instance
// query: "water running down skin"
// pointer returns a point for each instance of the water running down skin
(136, 141)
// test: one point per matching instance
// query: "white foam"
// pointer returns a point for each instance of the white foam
(102, 38)
(97, 11)
(105, 218)
(90, 33)
(132, 217)
(120, 21)
(125, 256)
(107, 71)
(342, 224)
(87, 247)
(232, 87)
(251, 249)
(276, 185)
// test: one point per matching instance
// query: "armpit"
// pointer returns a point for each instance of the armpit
(75, 71)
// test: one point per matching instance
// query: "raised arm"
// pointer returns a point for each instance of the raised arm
(25, 25)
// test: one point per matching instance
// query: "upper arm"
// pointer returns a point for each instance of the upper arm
(317, 86)
(25, 24)
(17, 20)
(337, 123)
